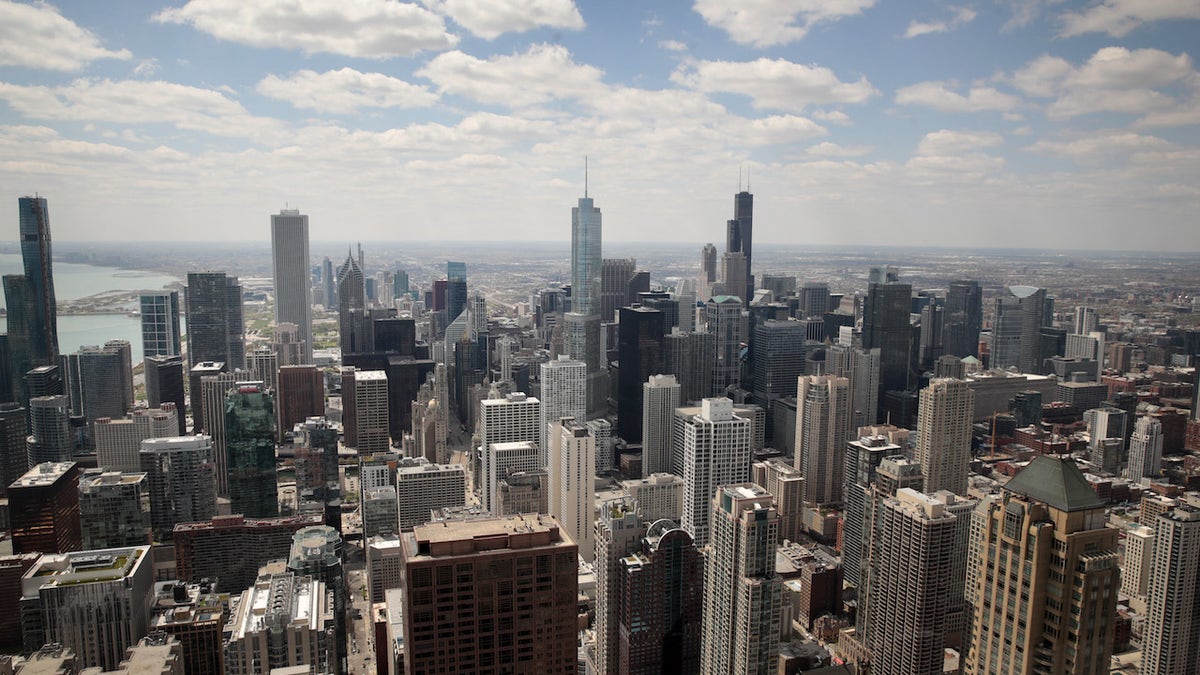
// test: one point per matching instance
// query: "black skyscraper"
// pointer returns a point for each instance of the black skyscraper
(214, 320)
(32, 308)
(886, 325)
(963, 318)
(640, 353)
(164, 383)
(739, 238)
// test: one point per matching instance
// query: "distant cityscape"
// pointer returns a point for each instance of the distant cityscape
(391, 457)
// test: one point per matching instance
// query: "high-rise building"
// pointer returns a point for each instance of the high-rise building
(100, 380)
(640, 353)
(733, 270)
(32, 307)
(1145, 449)
(456, 289)
(743, 596)
(118, 442)
(290, 264)
(863, 458)
(215, 325)
(1169, 639)
(1138, 559)
(776, 359)
(708, 269)
(523, 492)
(615, 275)
(916, 573)
(489, 556)
(822, 412)
(1085, 320)
(301, 395)
(160, 323)
(96, 603)
(165, 384)
(351, 306)
(573, 481)
(516, 418)
(504, 459)
(423, 487)
(602, 430)
(1042, 575)
(785, 483)
(250, 451)
(715, 446)
(723, 314)
(14, 446)
(690, 358)
(619, 531)
(180, 473)
(963, 318)
(262, 365)
(285, 620)
(371, 411)
(564, 394)
(586, 231)
(232, 548)
(1016, 329)
(814, 300)
(861, 367)
(196, 377)
(114, 509)
(195, 615)
(44, 509)
(214, 390)
(317, 553)
(943, 446)
(887, 326)
(328, 285)
(658, 495)
(50, 438)
(660, 398)
(739, 238)
(289, 349)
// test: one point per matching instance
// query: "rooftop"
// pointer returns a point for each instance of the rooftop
(1056, 482)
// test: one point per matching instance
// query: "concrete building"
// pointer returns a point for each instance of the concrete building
(822, 424)
(502, 460)
(378, 507)
(301, 395)
(602, 430)
(511, 419)
(715, 446)
(786, 485)
(284, 620)
(660, 398)
(50, 438)
(1169, 639)
(573, 482)
(290, 266)
(523, 492)
(861, 368)
(180, 475)
(384, 566)
(943, 444)
(44, 509)
(14, 447)
(195, 615)
(564, 394)
(723, 316)
(425, 486)
(119, 441)
(114, 509)
(619, 531)
(232, 548)
(1145, 450)
(743, 596)
(863, 458)
(659, 496)
(214, 392)
(100, 380)
(371, 411)
(488, 556)
(1137, 561)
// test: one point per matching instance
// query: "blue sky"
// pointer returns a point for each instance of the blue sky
(1014, 123)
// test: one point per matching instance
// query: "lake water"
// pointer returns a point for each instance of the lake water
(73, 281)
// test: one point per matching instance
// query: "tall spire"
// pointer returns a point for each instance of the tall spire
(585, 177)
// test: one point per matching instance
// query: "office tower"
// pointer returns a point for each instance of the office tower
(318, 465)
(785, 483)
(119, 441)
(1145, 450)
(573, 481)
(822, 414)
(943, 444)
(194, 615)
(12, 568)
(160, 323)
(180, 474)
(290, 265)
(1139, 558)
(660, 398)
(456, 289)
(602, 430)
(916, 573)
(262, 365)
(371, 411)
(1085, 320)
(232, 548)
(44, 381)
(285, 341)
(328, 285)
(690, 357)
(739, 238)
(780, 285)
(165, 384)
(1046, 533)
(658, 495)
(196, 376)
(301, 395)
(715, 445)
(501, 460)
(660, 602)
(512, 419)
(383, 566)
(50, 438)
(733, 269)
(615, 275)
(863, 458)
(861, 367)
(776, 359)
(349, 413)
(564, 394)
(886, 326)
(379, 509)
(214, 319)
(250, 451)
(618, 533)
(523, 492)
(114, 509)
(32, 308)
(930, 341)
(317, 553)
(19, 301)
(96, 603)
(14, 447)
(1169, 639)
(352, 302)
(743, 596)
(723, 314)
(585, 257)
(963, 318)
(490, 556)
(424, 487)
(814, 300)
(214, 389)
(285, 620)
(1016, 327)
(640, 353)
(708, 269)
(44, 509)
(100, 380)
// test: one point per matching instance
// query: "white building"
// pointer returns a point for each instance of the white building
(1171, 636)
(1135, 567)
(502, 459)
(573, 482)
(658, 496)
(291, 270)
(284, 620)
(180, 472)
(1145, 449)
(512, 419)
(118, 442)
(660, 398)
(564, 394)
(426, 486)
(716, 447)
(943, 444)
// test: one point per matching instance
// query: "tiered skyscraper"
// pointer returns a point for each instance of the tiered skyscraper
(581, 326)
(290, 258)
(739, 238)
(822, 409)
(351, 305)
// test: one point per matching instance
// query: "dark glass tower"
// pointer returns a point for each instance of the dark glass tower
(35, 253)
(214, 319)
(165, 383)
(886, 325)
(739, 238)
(963, 318)
(250, 448)
(640, 353)
(351, 306)
(456, 289)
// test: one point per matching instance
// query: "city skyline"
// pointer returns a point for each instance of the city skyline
(861, 122)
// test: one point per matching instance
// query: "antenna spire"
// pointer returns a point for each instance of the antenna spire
(739, 177)
(585, 176)
(747, 179)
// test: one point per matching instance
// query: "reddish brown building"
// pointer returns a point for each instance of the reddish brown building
(12, 568)
(301, 395)
(232, 548)
(43, 507)
(490, 595)
(661, 602)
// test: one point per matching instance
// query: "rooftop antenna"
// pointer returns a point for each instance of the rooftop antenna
(747, 179)
(585, 176)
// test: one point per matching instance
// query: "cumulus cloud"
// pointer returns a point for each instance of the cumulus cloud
(490, 19)
(541, 74)
(1098, 146)
(673, 45)
(961, 16)
(939, 96)
(765, 23)
(827, 149)
(38, 36)
(951, 142)
(376, 29)
(345, 91)
(773, 83)
(1119, 17)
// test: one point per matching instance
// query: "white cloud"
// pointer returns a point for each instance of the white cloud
(673, 45)
(938, 95)
(1099, 146)
(950, 142)
(764, 23)
(1119, 17)
(832, 116)
(773, 83)
(490, 19)
(146, 67)
(131, 102)
(345, 91)
(360, 28)
(961, 16)
(827, 149)
(38, 36)
(543, 73)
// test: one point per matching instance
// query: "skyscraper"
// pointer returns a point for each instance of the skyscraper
(886, 325)
(114, 509)
(215, 320)
(1169, 640)
(572, 477)
(1016, 329)
(708, 269)
(743, 596)
(301, 395)
(943, 446)
(1145, 449)
(660, 398)
(516, 418)
(42, 310)
(165, 384)
(44, 509)
(14, 448)
(250, 448)
(640, 352)
(100, 380)
(564, 394)
(861, 367)
(351, 307)
(160, 323)
(371, 411)
(50, 438)
(739, 238)
(863, 457)
(822, 409)
(181, 481)
(723, 314)
(290, 265)
(963, 318)
(456, 289)
(715, 446)
(585, 257)
(689, 356)
(776, 359)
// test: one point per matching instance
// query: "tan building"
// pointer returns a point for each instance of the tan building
(1042, 576)
(943, 445)
(283, 620)
(573, 482)
(524, 492)
(490, 595)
